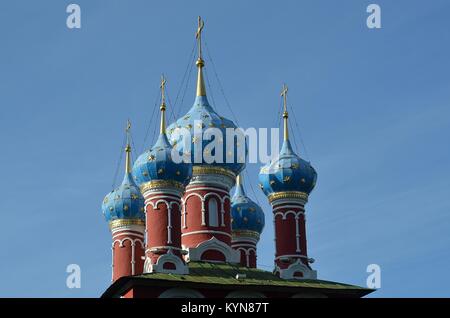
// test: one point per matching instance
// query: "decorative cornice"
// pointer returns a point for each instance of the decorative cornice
(197, 170)
(157, 184)
(236, 234)
(124, 222)
(288, 195)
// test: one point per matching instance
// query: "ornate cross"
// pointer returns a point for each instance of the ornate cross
(163, 87)
(198, 36)
(284, 94)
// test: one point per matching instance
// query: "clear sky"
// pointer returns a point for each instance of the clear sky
(372, 108)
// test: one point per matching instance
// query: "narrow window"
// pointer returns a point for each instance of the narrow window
(213, 212)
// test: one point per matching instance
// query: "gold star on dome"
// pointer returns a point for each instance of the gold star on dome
(178, 173)
(302, 180)
(286, 179)
(261, 186)
(160, 170)
(272, 182)
(194, 139)
(125, 207)
(188, 126)
(294, 166)
(151, 158)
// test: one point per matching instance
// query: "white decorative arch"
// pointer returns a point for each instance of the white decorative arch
(181, 293)
(202, 199)
(231, 255)
(297, 266)
(133, 250)
(222, 205)
(296, 215)
(169, 257)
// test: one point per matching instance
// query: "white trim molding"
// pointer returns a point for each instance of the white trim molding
(298, 266)
(231, 255)
(180, 267)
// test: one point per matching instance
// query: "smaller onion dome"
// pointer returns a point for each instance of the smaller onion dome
(157, 163)
(246, 215)
(287, 172)
(126, 202)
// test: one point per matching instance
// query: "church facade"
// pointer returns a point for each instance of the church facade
(178, 230)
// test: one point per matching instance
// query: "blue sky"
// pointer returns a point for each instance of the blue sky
(372, 107)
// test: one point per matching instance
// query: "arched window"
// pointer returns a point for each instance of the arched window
(213, 212)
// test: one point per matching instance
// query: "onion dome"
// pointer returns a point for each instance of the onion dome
(287, 172)
(157, 163)
(126, 202)
(246, 215)
(198, 121)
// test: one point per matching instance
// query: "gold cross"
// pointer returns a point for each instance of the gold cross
(128, 126)
(284, 94)
(198, 36)
(163, 86)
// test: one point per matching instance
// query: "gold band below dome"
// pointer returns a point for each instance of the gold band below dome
(196, 170)
(161, 184)
(236, 234)
(124, 222)
(288, 195)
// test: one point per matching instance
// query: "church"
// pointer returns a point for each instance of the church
(187, 228)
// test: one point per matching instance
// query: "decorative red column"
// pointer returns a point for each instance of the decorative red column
(245, 242)
(127, 247)
(206, 220)
(163, 218)
(291, 256)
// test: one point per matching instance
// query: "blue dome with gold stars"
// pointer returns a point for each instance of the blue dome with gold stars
(246, 215)
(157, 164)
(287, 172)
(125, 202)
(197, 121)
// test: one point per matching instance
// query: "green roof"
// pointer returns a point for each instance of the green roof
(223, 275)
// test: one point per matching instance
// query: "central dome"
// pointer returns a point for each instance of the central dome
(206, 127)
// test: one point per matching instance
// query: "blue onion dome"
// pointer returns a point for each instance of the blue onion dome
(198, 120)
(158, 163)
(126, 202)
(246, 215)
(287, 172)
